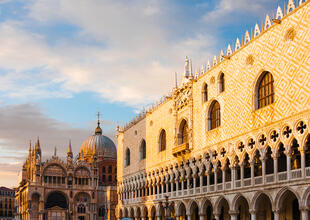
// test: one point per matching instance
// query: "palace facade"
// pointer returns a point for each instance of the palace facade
(230, 142)
(82, 188)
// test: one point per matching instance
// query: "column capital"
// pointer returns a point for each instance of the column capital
(233, 212)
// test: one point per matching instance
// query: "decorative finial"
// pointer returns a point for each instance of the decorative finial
(55, 151)
(176, 80)
(98, 130)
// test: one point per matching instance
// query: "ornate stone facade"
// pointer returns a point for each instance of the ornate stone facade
(237, 140)
(73, 189)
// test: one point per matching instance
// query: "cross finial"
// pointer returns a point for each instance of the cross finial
(98, 116)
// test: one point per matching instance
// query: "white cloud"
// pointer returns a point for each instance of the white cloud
(135, 65)
(225, 9)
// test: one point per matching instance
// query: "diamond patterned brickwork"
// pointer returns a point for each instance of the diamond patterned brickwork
(287, 60)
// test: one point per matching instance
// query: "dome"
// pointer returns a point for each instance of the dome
(98, 144)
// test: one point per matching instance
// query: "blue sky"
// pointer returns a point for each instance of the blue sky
(63, 60)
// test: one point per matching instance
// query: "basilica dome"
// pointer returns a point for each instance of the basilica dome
(99, 145)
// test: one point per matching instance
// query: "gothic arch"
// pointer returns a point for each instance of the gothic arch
(305, 202)
(256, 197)
(61, 199)
(190, 206)
(180, 205)
(204, 205)
(219, 203)
(237, 199)
(281, 195)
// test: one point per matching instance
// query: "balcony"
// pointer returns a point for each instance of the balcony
(180, 149)
(240, 184)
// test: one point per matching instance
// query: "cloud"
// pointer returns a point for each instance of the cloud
(132, 60)
(222, 13)
(24, 122)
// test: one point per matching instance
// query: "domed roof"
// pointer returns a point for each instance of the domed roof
(98, 144)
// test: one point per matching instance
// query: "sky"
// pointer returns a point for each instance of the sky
(62, 61)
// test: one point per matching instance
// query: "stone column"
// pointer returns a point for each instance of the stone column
(172, 186)
(242, 173)
(223, 178)
(201, 217)
(233, 216)
(263, 169)
(303, 163)
(304, 214)
(158, 217)
(201, 181)
(177, 185)
(275, 168)
(194, 181)
(208, 181)
(189, 217)
(215, 178)
(233, 176)
(253, 215)
(162, 188)
(217, 216)
(177, 217)
(288, 165)
(276, 215)
(252, 172)
(188, 182)
(182, 185)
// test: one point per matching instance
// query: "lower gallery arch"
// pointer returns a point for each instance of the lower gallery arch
(131, 212)
(222, 209)
(207, 209)
(263, 207)
(181, 211)
(152, 213)
(56, 205)
(144, 213)
(241, 206)
(138, 213)
(194, 211)
(126, 212)
(288, 205)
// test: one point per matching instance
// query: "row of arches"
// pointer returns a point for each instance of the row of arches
(281, 162)
(285, 204)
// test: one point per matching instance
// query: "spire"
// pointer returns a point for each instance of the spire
(98, 130)
(29, 151)
(187, 67)
(69, 147)
(37, 147)
(55, 151)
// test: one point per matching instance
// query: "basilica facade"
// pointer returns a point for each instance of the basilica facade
(82, 188)
(233, 140)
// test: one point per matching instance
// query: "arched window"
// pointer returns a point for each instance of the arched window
(110, 169)
(162, 140)
(127, 158)
(214, 115)
(81, 208)
(205, 93)
(183, 132)
(222, 83)
(265, 90)
(142, 150)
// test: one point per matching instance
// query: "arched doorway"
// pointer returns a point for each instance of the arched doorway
(182, 211)
(35, 203)
(289, 206)
(263, 208)
(223, 209)
(81, 204)
(242, 207)
(56, 205)
(194, 211)
(208, 210)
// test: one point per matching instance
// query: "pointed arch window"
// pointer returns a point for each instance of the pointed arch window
(222, 83)
(214, 115)
(205, 93)
(142, 150)
(127, 157)
(183, 132)
(162, 140)
(265, 90)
